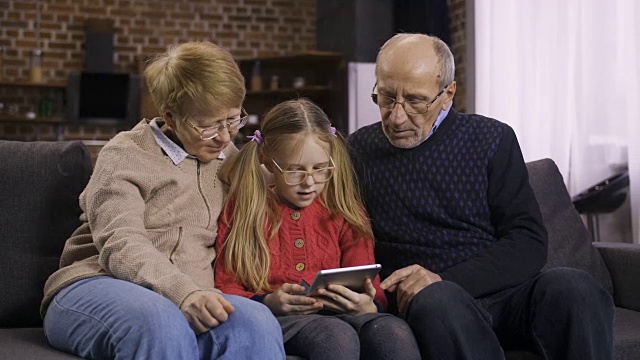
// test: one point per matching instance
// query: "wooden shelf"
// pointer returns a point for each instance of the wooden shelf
(24, 120)
(25, 83)
(307, 90)
(323, 75)
(305, 57)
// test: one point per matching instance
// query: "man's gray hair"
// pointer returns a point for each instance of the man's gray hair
(445, 57)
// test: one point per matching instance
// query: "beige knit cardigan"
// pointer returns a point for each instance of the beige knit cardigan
(145, 220)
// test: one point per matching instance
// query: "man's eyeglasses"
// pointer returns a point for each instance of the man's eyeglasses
(409, 106)
(295, 177)
(213, 131)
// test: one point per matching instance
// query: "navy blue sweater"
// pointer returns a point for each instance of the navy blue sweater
(459, 204)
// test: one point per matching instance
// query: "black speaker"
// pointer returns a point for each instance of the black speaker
(358, 28)
(355, 28)
(422, 16)
(86, 102)
(99, 34)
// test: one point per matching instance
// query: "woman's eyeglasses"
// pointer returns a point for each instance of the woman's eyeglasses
(213, 131)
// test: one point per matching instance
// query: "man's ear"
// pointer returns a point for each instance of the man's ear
(169, 119)
(449, 94)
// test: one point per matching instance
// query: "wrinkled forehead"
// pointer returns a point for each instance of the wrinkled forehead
(419, 84)
(408, 64)
(210, 116)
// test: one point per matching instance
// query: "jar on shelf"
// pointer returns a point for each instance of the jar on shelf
(1, 61)
(299, 82)
(275, 83)
(36, 66)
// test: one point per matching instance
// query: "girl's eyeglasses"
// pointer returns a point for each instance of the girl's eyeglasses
(296, 177)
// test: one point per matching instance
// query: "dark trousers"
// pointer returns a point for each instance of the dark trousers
(348, 337)
(561, 313)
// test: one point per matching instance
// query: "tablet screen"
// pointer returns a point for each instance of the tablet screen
(349, 277)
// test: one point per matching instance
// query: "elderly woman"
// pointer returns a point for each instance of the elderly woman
(136, 278)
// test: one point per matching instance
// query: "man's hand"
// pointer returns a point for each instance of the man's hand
(284, 302)
(342, 300)
(205, 310)
(407, 282)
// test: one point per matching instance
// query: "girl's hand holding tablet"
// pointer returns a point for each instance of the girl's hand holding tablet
(284, 301)
(342, 300)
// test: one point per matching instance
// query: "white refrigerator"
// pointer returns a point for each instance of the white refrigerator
(362, 110)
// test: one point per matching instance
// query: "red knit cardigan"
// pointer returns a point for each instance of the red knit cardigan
(308, 240)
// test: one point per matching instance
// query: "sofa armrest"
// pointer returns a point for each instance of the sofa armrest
(623, 262)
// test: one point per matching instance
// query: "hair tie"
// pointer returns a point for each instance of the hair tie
(257, 137)
(333, 131)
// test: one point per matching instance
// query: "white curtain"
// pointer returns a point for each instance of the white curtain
(564, 74)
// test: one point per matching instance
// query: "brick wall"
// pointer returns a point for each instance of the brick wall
(458, 44)
(247, 28)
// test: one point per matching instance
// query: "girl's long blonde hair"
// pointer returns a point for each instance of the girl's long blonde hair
(255, 218)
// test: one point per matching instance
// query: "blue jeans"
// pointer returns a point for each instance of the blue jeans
(107, 318)
(561, 313)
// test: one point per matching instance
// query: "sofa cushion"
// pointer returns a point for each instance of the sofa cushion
(626, 340)
(569, 241)
(626, 330)
(40, 183)
(28, 344)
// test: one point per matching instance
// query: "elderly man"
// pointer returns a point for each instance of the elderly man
(458, 229)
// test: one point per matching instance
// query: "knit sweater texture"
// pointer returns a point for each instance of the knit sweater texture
(145, 220)
(459, 204)
(308, 240)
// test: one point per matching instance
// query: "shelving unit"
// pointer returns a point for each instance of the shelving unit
(30, 96)
(324, 84)
(306, 91)
(25, 120)
(14, 92)
(25, 83)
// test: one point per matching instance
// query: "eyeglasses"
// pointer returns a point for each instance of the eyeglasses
(213, 131)
(295, 177)
(409, 106)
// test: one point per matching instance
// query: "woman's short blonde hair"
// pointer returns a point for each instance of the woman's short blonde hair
(195, 77)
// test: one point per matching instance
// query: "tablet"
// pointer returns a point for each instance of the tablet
(350, 277)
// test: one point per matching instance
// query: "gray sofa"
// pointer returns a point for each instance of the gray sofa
(39, 188)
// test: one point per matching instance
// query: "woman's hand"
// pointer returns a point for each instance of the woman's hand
(205, 310)
(284, 302)
(340, 299)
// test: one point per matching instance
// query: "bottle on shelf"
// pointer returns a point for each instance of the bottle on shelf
(275, 83)
(256, 79)
(1, 60)
(36, 66)
(45, 107)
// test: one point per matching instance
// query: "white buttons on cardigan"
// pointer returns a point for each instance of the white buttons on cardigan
(300, 266)
(299, 243)
(295, 215)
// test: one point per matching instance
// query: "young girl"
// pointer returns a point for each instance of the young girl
(271, 237)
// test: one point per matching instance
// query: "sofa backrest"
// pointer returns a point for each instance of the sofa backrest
(40, 183)
(569, 240)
